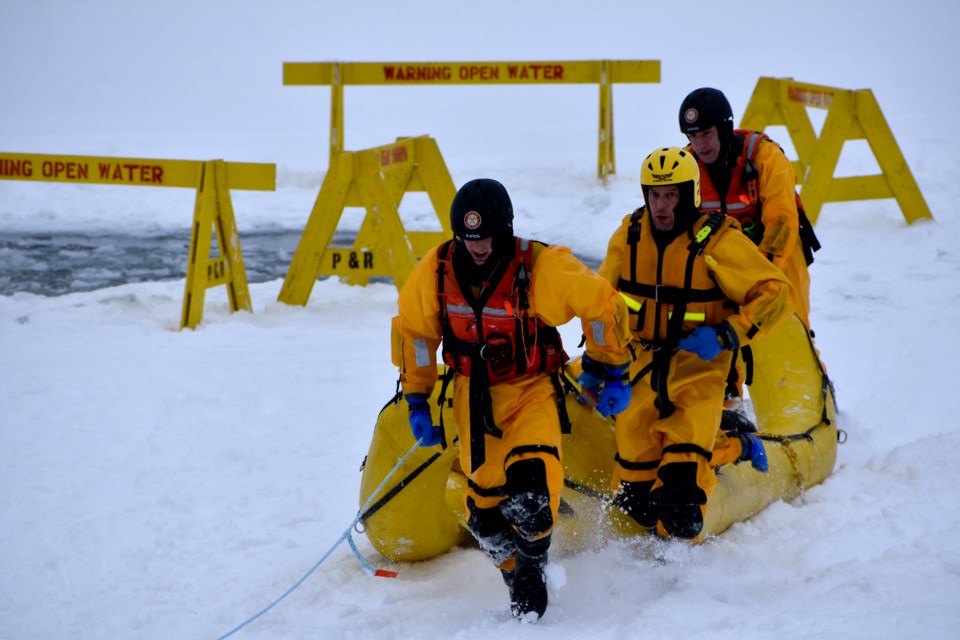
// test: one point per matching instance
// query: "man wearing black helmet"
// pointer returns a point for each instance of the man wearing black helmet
(493, 301)
(746, 175)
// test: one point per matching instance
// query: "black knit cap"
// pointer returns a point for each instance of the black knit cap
(481, 209)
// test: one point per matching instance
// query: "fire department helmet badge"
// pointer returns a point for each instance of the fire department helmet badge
(472, 220)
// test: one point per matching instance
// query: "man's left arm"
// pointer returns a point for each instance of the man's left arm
(777, 186)
(753, 282)
(564, 288)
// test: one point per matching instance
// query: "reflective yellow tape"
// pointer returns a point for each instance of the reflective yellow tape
(690, 316)
(633, 304)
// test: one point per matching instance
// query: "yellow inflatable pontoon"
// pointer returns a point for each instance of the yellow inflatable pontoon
(420, 513)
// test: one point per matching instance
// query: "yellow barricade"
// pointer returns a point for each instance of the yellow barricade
(601, 72)
(851, 115)
(374, 179)
(212, 215)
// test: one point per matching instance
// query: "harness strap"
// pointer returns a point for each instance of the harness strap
(662, 358)
(747, 353)
(750, 179)
(633, 238)
(442, 254)
(481, 416)
(533, 448)
(441, 400)
(671, 295)
(688, 447)
(491, 492)
(641, 373)
(637, 466)
(558, 389)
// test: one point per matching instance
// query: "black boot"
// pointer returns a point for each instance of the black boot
(678, 501)
(634, 500)
(734, 421)
(528, 591)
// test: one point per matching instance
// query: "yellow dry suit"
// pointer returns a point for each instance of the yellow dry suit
(761, 195)
(707, 274)
(501, 341)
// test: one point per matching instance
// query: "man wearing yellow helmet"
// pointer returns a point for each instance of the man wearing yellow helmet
(703, 290)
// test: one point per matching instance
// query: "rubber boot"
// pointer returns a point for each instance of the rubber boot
(734, 421)
(528, 591)
(634, 500)
(679, 500)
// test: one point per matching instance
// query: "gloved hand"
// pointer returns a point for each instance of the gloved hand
(754, 451)
(607, 385)
(421, 422)
(708, 342)
(590, 381)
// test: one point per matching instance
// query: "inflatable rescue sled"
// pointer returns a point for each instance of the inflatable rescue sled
(420, 514)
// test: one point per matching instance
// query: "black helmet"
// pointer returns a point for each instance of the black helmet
(481, 209)
(705, 108)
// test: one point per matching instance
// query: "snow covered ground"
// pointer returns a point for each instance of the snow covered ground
(161, 484)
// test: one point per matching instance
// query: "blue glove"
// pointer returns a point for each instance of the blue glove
(754, 451)
(421, 423)
(708, 342)
(615, 396)
(590, 381)
(606, 388)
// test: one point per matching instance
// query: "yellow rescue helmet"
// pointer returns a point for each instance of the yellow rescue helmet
(671, 166)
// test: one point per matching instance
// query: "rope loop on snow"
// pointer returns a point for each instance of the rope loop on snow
(346, 536)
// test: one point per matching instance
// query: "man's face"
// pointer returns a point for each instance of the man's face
(663, 203)
(479, 250)
(706, 144)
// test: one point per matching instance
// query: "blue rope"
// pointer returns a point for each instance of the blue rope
(346, 535)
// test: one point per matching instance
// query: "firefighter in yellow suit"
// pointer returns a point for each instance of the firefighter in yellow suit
(746, 175)
(703, 291)
(493, 301)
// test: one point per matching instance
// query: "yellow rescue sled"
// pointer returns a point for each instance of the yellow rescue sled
(421, 514)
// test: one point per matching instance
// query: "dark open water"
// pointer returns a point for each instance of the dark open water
(58, 263)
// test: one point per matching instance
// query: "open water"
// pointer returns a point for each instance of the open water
(53, 264)
(59, 263)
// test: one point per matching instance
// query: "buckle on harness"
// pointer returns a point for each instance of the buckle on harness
(498, 351)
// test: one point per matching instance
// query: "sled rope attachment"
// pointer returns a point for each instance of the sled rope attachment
(366, 566)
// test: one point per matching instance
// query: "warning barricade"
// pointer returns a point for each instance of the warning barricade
(604, 73)
(851, 115)
(212, 215)
(375, 179)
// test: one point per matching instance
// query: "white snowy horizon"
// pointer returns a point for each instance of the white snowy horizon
(164, 484)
